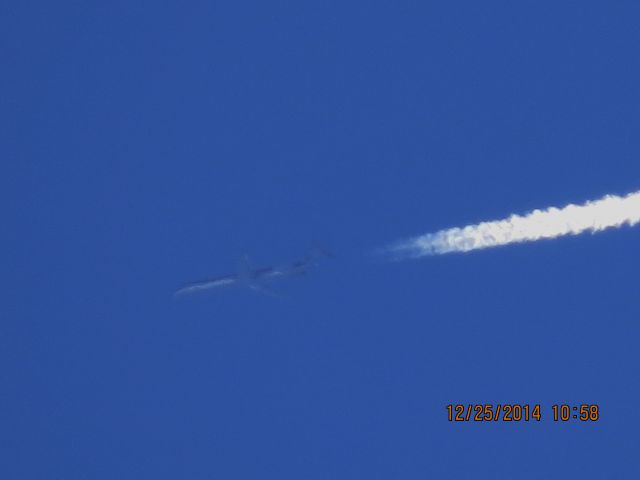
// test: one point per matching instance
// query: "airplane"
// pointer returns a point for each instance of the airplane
(253, 278)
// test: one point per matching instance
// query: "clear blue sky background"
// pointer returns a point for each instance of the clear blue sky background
(146, 144)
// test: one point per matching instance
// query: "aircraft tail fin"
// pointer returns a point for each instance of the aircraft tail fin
(244, 269)
(320, 252)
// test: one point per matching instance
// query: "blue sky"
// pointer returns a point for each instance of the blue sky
(150, 144)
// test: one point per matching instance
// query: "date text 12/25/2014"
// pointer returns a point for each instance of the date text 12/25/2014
(521, 412)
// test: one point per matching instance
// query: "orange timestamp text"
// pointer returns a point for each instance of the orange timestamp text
(520, 412)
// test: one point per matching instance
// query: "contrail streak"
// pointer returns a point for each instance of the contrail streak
(594, 216)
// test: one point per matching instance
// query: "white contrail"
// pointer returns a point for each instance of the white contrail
(607, 212)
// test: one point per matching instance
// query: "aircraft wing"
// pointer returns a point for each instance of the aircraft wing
(207, 285)
(262, 289)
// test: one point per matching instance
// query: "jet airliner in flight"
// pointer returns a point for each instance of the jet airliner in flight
(254, 278)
